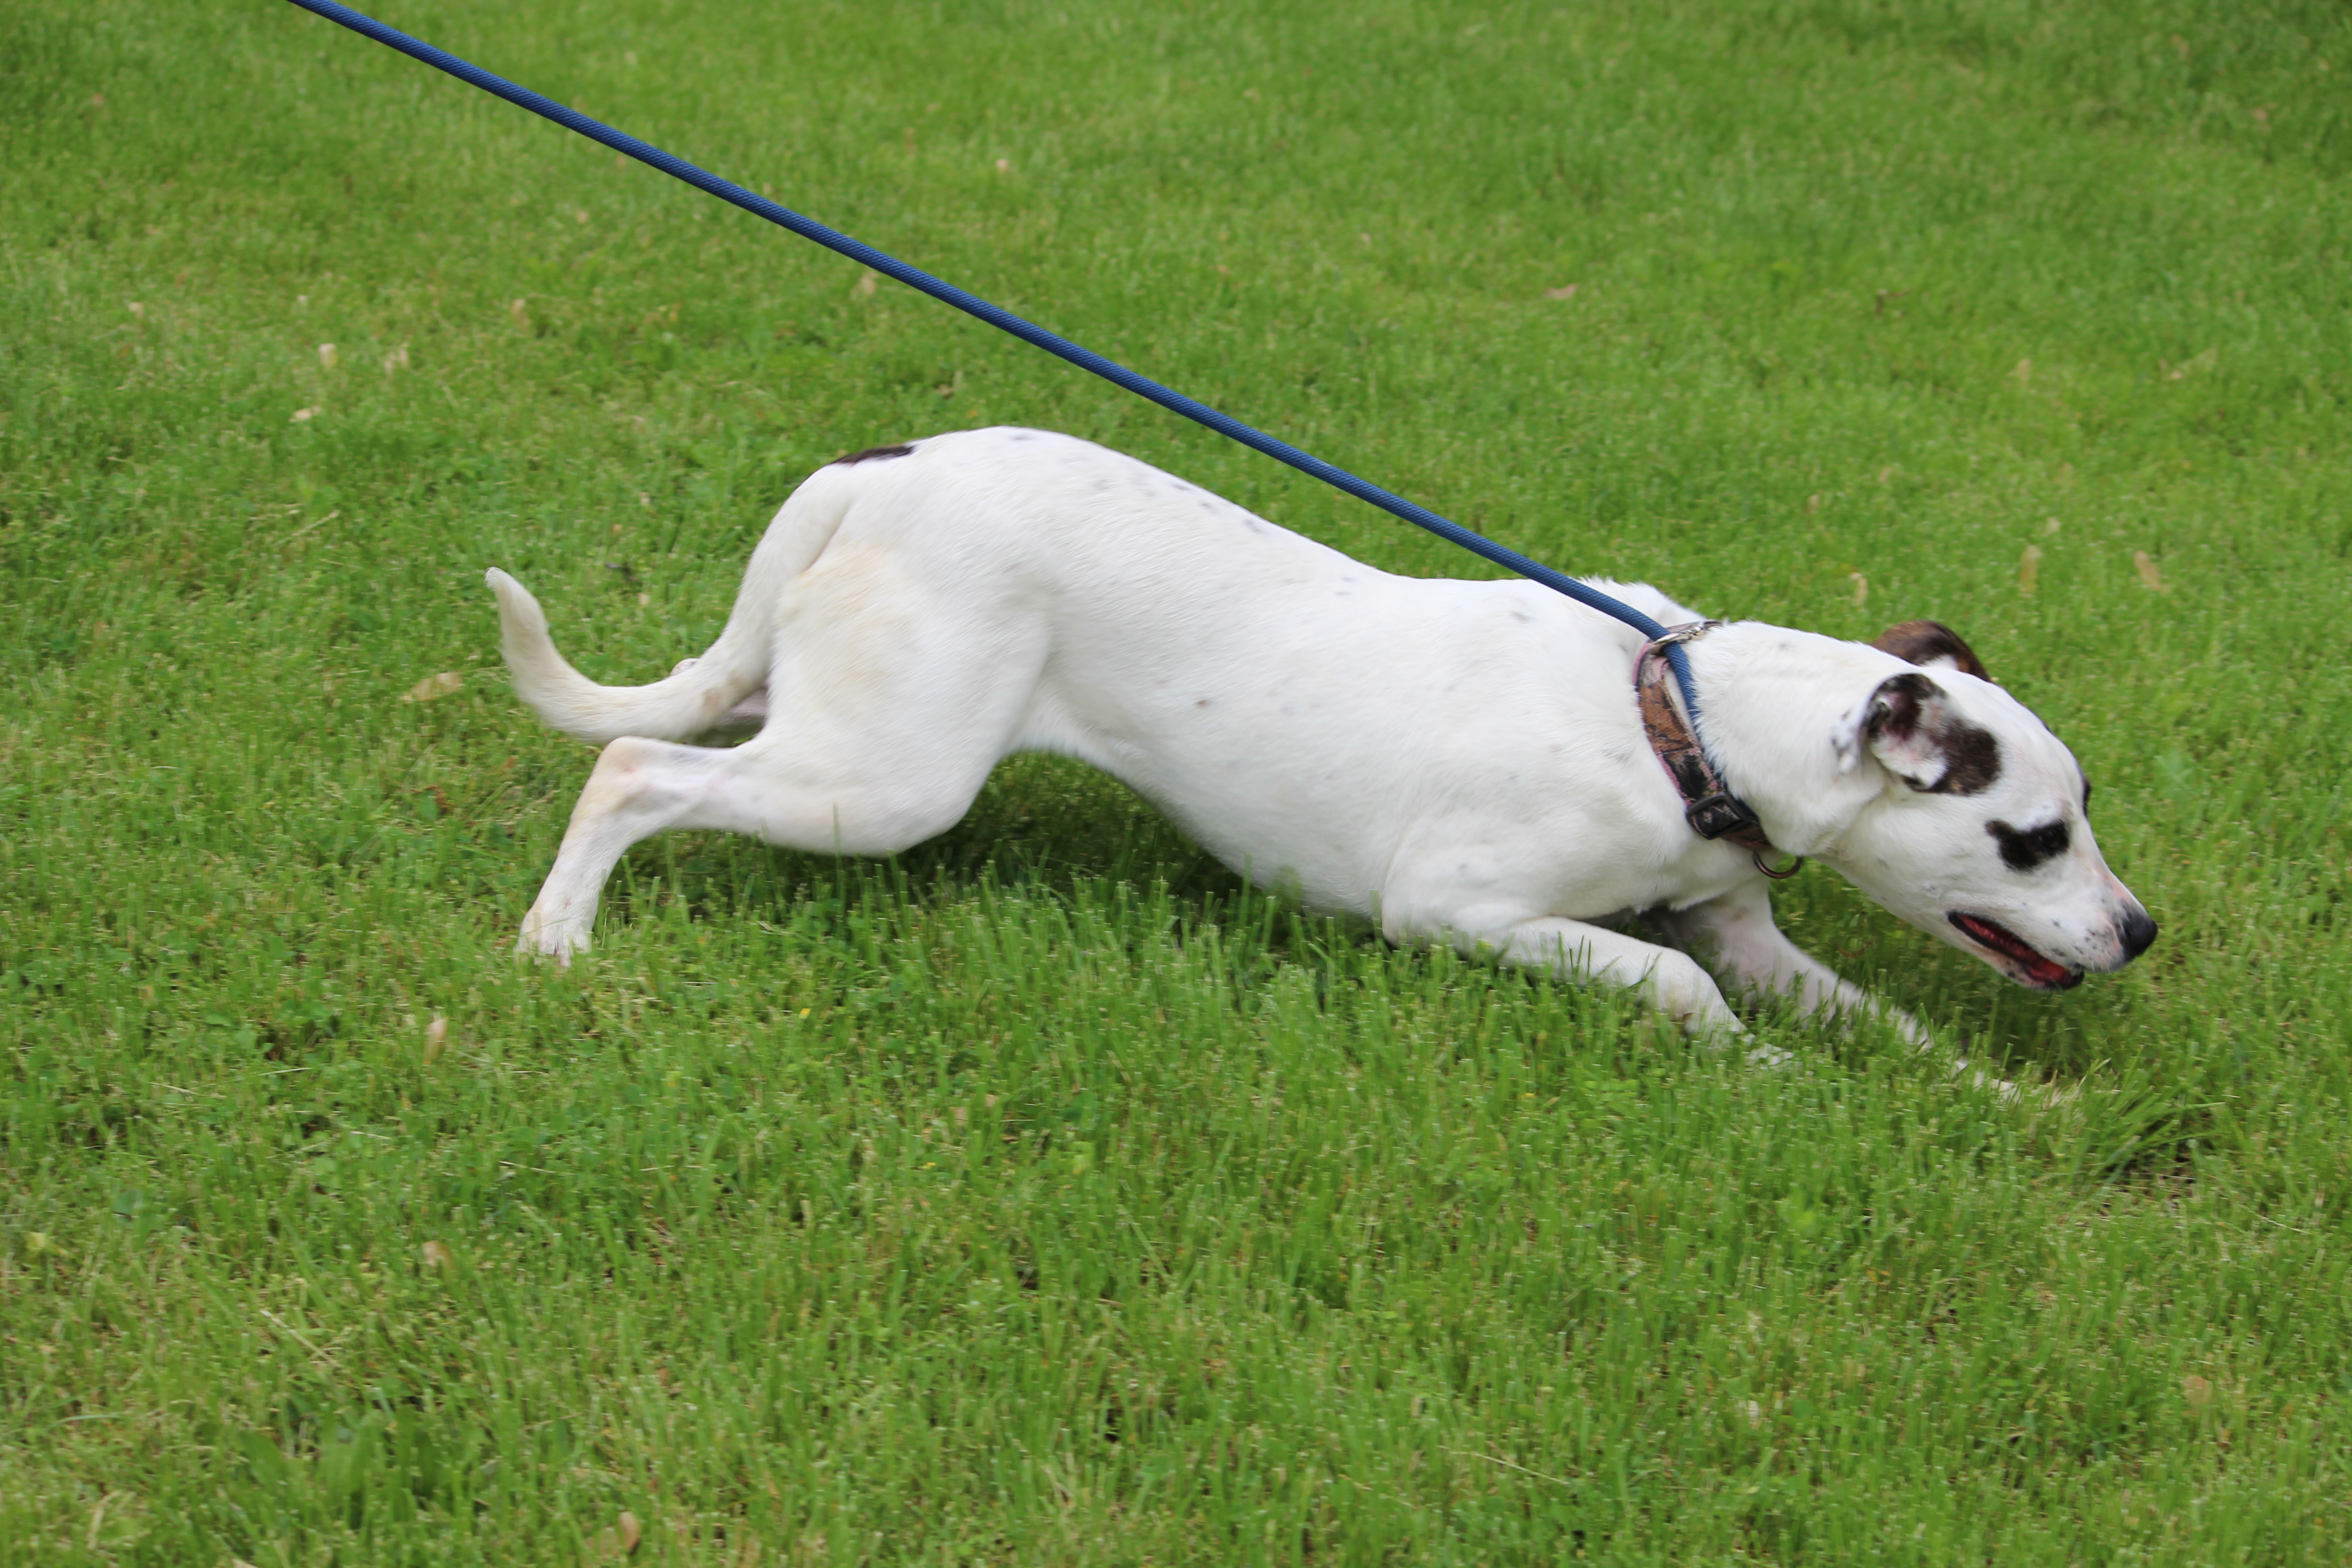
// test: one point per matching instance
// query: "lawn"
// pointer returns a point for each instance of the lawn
(1046, 1196)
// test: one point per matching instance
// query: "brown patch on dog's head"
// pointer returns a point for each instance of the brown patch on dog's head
(870, 454)
(1916, 736)
(1930, 643)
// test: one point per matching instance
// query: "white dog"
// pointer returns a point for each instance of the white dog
(1463, 762)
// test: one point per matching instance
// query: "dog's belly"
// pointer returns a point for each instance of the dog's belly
(1370, 834)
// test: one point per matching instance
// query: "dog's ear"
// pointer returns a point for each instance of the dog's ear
(1908, 726)
(1930, 644)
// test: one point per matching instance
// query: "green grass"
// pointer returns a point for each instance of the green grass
(1043, 1196)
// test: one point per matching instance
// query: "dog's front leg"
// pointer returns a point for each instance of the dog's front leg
(1670, 981)
(1735, 935)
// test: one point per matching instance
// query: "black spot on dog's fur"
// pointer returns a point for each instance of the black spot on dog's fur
(1971, 754)
(1924, 642)
(1972, 759)
(2024, 849)
(871, 453)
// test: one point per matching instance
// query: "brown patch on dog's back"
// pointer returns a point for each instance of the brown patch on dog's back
(870, 453)
(1924, 642)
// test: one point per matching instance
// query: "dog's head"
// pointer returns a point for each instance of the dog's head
(1980, 831)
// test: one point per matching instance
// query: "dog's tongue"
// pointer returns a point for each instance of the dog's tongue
(2045, 971)
(2041, 971)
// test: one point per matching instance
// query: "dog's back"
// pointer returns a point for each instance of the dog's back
(963, 508)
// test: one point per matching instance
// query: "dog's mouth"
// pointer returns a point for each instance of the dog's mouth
(2022, 965)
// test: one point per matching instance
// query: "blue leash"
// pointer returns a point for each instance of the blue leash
(972, 304)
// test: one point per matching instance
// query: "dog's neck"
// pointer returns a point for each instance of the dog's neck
(1771, 701)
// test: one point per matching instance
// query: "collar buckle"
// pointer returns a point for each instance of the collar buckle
(1713, 816)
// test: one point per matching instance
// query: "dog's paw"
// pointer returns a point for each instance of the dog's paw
(553, 936)
(1689, 995)
(1977, 1079)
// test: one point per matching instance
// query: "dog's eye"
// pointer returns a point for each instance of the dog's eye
(2021, 850)
(2086, 800)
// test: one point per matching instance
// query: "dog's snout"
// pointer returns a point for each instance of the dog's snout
(2138, 932)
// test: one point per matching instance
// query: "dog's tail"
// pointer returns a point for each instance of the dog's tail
(698, 693)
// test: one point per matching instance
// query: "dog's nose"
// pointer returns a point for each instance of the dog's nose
(2138, 932)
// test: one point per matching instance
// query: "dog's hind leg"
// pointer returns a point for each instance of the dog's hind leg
(640, 788)
(877, 743)
(773, 788)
